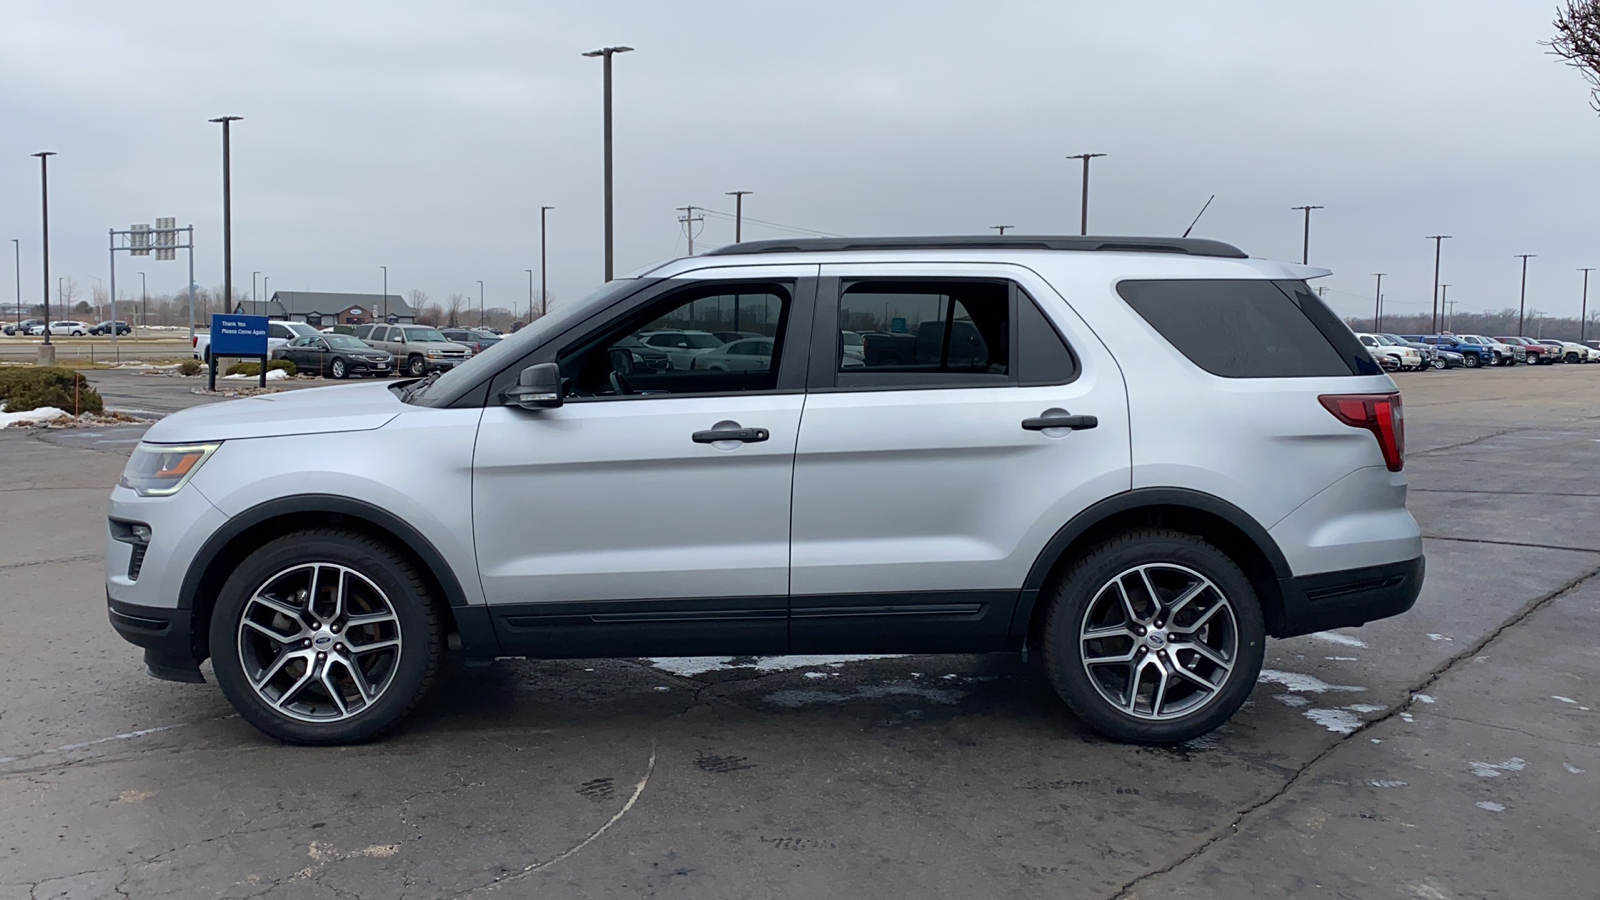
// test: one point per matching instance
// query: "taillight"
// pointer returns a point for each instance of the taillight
(194, 341)
(1378, 413)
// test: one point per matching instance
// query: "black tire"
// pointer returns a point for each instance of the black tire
(416, 367)
(1471, 360)
(1072, 599)
(1572, 357)
(337, 368)
(1440, 364)
(417, 626)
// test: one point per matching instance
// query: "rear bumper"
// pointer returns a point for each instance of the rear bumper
(165, 634)
(1348, 597)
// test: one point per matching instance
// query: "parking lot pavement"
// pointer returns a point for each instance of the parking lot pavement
(1448, 753)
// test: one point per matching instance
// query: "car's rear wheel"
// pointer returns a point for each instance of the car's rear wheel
(337, 369)
(1154, 637)
(325, 637)
(416, 367)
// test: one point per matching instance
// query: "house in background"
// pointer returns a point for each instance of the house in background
(319, 309)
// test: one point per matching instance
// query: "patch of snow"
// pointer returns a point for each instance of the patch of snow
(1564, 699)
(1342, 658)
(1439, 637)
(1296, 681)
(1423, 698)
(1338, 721)
(1292, 700)
(1493, 770)
(1333, 637)
(689, 666)
(1386, 783)
(1490, 805)
(785, 663)
(1376, 740)
(799, 698)
(1572, 768)
(33, 416)
(1407, 717)
(272, 375)
(1364, 708)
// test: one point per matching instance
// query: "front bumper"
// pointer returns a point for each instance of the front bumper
(167, 636)
(1349, 597)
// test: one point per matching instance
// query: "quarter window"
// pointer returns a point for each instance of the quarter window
(926, 328)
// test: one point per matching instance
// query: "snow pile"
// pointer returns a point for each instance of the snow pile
(272, 375)
(33, 416)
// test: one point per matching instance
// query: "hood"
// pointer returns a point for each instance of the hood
(324, 410)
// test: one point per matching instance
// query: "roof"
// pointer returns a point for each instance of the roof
(300, 303)
(1087, 243)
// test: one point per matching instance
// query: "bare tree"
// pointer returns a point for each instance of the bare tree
(453, 305)
(66, 293)
(542, 309)
(1577, 42)
(431, 314)
(417, 298)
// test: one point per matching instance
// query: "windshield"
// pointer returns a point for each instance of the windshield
(424, 335)
(344, 342)
(1385, 340)
(525, 339)
(299, 328)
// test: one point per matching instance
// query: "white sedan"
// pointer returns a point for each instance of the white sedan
(749, 355)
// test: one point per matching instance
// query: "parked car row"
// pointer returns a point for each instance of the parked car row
(63, 328)
(1417, 352)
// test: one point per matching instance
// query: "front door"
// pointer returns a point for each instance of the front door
(978, 415)
(650, 513)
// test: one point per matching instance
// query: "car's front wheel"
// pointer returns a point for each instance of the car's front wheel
(337, 369)
(1440, 364)
(1471, 360)
(1154, 637)
(325, 637)
(416, 367)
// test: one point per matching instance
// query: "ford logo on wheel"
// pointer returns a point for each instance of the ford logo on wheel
(322, 641)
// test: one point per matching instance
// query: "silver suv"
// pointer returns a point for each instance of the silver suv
(417, 349)
(1141, 458)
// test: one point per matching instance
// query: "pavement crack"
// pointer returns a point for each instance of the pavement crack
(50, 562)
(1537, 737)
(1529, 545)
(1428, 679)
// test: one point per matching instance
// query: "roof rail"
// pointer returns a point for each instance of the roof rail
(1089, 243)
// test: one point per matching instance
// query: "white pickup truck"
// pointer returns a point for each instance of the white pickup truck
(278, 334)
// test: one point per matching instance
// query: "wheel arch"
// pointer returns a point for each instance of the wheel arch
(247, 531)
(1220, 523)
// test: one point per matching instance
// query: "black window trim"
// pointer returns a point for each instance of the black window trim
(824, 377)
(792, 361)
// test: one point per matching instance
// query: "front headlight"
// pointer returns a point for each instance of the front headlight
(433, 354)
(159, 470)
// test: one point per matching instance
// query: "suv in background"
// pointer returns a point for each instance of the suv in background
(105, 328)
(23, 328)
(476, 339)
(1534, 353)
(1474, 351)
(61, 328)
(1406, 357)
(417, 349)
(1029, 489)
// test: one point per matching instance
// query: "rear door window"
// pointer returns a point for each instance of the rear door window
(1250, 328)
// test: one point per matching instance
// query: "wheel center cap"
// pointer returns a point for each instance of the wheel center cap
(322, 641)
(1156, 639)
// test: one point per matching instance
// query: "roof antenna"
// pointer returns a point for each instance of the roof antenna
(1198, 215)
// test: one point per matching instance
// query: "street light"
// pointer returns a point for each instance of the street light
(46, 357)
(253, 287)
(17, 247)
(1085, 157)
(530, 294)
(1305, 249)
(227, 216)
(1377, 301)
(1522, 302)
(480, 304)
(144, 305)
(544, 290)
(386, 293)
(1583, 317)
(606, 53)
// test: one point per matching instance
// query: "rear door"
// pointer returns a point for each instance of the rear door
(927, 484)
(649, 514)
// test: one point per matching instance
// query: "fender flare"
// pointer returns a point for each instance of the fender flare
(1139, 498)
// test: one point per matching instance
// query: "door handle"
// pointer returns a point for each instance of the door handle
(724, 432)
(1059, 418)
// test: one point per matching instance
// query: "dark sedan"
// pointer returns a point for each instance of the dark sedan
(338, 355)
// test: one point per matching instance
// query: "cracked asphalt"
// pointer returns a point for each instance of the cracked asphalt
(1450, 753)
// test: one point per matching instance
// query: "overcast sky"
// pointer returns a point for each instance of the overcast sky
(424, 136)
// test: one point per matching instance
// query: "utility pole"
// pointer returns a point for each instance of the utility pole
(46, 357)
(1377, 301)
(1522, 302)
(1444, 301)
(530, 294)
(227, 220)
(1084, 227)
(606, 53)
(480, 304)
(688, 219)
(738, 214)
(144, 305)
(1000, 228)
(1438, 242)
(386, 294)
(1583, 317)
(17, 247)
(1305, 248)
(253, 287)
(544, 293)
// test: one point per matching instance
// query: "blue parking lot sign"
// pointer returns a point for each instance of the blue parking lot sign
(238, 335)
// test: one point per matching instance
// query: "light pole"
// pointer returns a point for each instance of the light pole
(530, 294)
(1084, 228)
(1583, 317)
(738, 213)
(265, 292)
(386, 293)
(544, 292)
(144, 305)
(606, 53)
(1444, 301)
(46, 357)
(1522, 302)
(17, 247)
(227, 216)
(1305, 248)
(253, 287)
(1377, 301)
(1438, 242)
(480, 304)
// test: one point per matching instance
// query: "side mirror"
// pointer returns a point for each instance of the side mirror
(538, 387)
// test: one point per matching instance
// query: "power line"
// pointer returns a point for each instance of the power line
(811, 231)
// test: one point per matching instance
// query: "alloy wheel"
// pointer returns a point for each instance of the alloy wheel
(319, 642)
(1159, 641)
